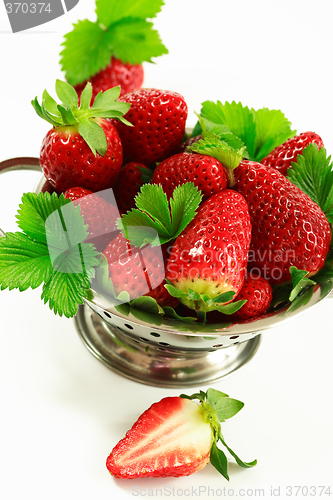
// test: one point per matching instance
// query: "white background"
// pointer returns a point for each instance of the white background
(61, 410)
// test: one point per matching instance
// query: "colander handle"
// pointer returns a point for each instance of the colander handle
(14, 164)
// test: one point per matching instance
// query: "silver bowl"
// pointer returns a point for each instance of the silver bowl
(161, 351)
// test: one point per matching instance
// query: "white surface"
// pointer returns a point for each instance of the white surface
(61, 410)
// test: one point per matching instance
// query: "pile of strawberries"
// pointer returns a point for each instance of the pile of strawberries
(248, 230)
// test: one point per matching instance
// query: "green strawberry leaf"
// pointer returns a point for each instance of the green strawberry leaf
(67, 94)
(86, 96)
(111, 11)
(86, 51)
(213, 395)
(313, 174)
(224, 297)
(87, 119)
(222, 131)
(238, 460)
(212, 145)
(94, 136)
(260, 131)
(65, 291)
(237, 118)
(151, 222)
(49, 251)
(230, 308)
(146, 174)
(24, 262)
(121, 30)
(299, 281)
(197, 395)
(134, 41)
(50, 105)
(219, 461)
(34, 211)
(197, 129)
(301, 300)
(147, 304)
(171, 313)
(272, 129)
(67, 115)
(226, 407)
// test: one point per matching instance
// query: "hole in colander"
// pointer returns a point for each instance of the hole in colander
(107, 314)
(154, 334)
(128, 326)
(143, 339)
(234, 337)
(218, 345)
(164, 343)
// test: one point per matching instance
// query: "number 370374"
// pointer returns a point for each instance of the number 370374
(25, 8)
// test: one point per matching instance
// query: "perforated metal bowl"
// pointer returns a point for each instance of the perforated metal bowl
(163, 351)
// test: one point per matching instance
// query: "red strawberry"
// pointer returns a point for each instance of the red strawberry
(206, 173)
(98, 214)
(258, 294)
(82, 148)
(67, 160)
(131, 177)
(288, 228)
(128, 76)
(137, 271)
(183, 148)
(210, 255)
(282, 156)
(159, 118)
(176, 437)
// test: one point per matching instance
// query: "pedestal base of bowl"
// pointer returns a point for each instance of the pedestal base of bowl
(154, 365)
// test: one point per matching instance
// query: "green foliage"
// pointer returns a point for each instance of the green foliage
(51, 251)
(120, 30)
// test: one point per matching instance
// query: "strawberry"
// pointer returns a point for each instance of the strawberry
(176, 437)
(288, 228)
(131, 177)
(82, 148)
(258, 294)
(282, 156)
(209, 258)
(98, 214)
(137, 271)
(207, 173)
(158, 118)
(128, 76)
(184, 146)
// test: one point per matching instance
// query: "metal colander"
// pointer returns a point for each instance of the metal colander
(162, 351)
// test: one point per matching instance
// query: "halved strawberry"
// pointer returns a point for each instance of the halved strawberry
(176, 437)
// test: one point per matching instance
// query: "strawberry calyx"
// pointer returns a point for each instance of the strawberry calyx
(217, 407)
(86, 119)
(157, 220)
(213, 145)
(203, 303)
